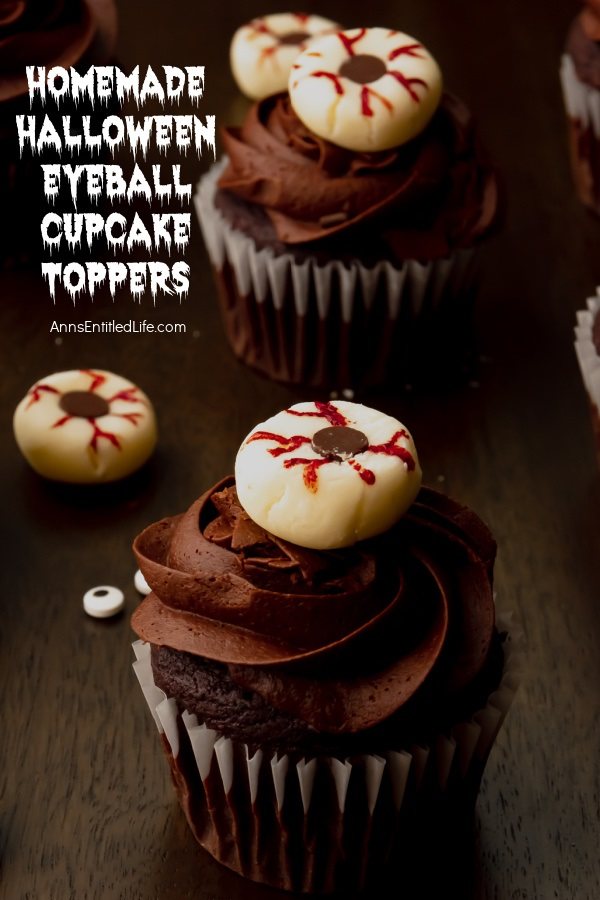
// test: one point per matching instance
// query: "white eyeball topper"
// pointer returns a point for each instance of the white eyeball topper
(326, 475)
(263, 50)
(85, 426)
(366, 89)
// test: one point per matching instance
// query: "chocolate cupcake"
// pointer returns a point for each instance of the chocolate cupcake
(322, 701)
(57, 33)
(580, 77)
(342, 222)
(587, 348)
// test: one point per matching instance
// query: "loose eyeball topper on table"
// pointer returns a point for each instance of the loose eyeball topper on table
(85, 426)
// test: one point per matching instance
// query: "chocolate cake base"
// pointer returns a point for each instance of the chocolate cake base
(205, 689)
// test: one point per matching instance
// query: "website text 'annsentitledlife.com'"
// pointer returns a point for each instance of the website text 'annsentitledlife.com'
(111, 326)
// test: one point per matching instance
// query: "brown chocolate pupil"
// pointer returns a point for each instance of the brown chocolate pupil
(363, 68)
(84, 404)
(292, 37)
(339, 442)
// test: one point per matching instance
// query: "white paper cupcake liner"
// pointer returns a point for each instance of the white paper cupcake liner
(276, 309)
(315, 824)
(266, 275)
(587, 355)
(589, 360)
(582, 101)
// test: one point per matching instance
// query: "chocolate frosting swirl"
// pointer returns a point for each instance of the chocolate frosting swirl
(436, 193)
(340, 640)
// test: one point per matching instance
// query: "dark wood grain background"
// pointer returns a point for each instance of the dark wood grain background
(86, 808)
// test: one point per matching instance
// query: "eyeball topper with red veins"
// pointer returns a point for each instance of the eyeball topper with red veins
(84, 426)
(326, 475)
(262, 52)
(366, 89)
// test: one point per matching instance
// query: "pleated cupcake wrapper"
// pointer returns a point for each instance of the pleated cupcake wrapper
(267, 276)
(582, 101)
(587, 355)
(261, 785)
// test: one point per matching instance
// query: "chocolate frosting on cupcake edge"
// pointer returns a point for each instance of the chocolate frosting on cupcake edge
(426, 198)
(378, 663)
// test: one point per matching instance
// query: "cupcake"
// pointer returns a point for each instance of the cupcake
(587, 348)
(341, 223)
(580, 77)
(320, 652)
(55, 33)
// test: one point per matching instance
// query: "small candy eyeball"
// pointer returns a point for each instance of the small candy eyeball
(262, 51)
(326, 475)
(366, 89)
(85, 426)
(103, 601)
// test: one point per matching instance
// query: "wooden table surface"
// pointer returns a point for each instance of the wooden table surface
(86, 807)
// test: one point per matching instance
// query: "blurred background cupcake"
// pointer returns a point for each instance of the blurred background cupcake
(55, 33)
(342, 222)
(580, 77)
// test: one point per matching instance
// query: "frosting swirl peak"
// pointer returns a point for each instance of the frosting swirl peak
(340, 640)
(433, 194)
